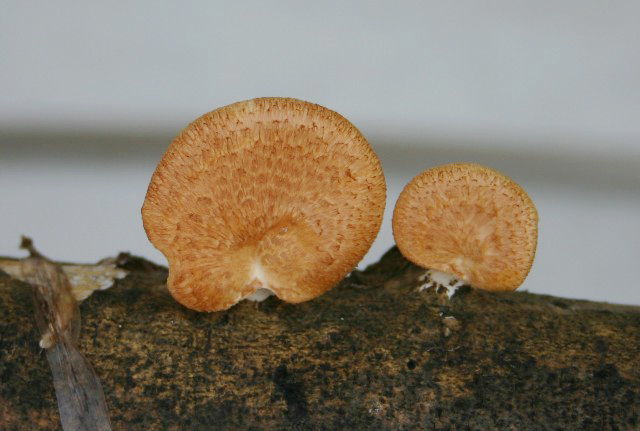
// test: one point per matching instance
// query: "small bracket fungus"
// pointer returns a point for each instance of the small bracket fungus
(270, 194)
(470, 221)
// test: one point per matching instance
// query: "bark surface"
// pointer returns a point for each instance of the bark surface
(373, 353)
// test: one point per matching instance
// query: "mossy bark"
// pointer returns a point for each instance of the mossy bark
(373, 353)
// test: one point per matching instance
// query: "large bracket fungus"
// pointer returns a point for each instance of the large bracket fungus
(469, 221)
(269, 194)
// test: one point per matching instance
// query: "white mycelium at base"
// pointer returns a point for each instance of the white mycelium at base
(434, 278)
(259, 280)
(260, 295)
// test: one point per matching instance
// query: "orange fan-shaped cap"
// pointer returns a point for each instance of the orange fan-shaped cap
(470, 221)
(269, 193)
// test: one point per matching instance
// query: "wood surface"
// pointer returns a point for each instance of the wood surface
(374, 353)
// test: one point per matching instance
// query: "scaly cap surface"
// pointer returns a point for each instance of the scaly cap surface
(470, 221)
(268, 193)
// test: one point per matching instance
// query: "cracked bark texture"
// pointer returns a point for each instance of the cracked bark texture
(373, 353)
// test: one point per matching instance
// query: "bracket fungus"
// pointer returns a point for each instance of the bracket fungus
(469, 221)
(270, 195)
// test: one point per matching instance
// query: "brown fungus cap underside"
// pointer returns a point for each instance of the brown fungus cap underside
(267, 193)
(470, 221)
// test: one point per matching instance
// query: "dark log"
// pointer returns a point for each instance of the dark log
(373, 353)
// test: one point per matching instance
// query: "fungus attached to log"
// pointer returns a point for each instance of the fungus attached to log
(470, 221)
(266, 195)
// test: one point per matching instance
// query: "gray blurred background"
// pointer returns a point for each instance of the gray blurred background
(547, 92)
